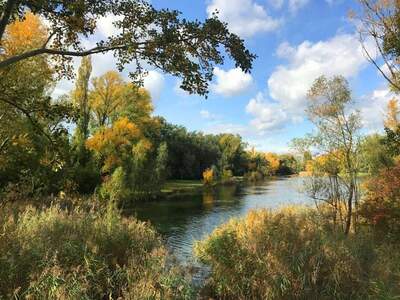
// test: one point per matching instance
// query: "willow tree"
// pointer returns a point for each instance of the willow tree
(337, 138)
(160, 38)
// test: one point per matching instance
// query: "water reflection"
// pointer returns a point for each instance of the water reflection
(185, 219)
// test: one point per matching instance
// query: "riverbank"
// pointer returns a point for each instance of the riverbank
(174, 188)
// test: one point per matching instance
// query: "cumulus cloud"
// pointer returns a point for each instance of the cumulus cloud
(244, 17)
(373, 108)
(154, 83)
(232, 82)
(267, 116)
(288, 84)
(106, 27)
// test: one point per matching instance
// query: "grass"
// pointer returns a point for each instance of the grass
(294, 254)
(177, 186)
(58, 254)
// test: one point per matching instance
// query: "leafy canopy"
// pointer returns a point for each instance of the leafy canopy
(160, 38)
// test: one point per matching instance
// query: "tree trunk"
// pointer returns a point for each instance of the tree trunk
(349, 208)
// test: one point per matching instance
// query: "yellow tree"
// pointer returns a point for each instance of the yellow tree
(116, 143)
(137, 106)
(273, 162)
(392, 117)
(107, 97)
(124, 154)
(32, 137)
(23, 35)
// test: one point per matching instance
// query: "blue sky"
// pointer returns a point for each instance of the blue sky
(295, 41)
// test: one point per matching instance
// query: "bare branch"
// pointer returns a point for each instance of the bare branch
(373, 61)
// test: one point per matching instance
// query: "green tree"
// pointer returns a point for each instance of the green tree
(375, 154)
(80, 99)
(232, 153)
(337, 138)
(34, 140)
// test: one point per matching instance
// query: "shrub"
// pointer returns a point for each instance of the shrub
(287, 255)
(208, 177)
(381, 207)
(55, 254)
(227, 177)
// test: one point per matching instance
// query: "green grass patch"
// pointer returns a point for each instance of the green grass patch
(172, 186)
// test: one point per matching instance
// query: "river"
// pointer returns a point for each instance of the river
(184, 219)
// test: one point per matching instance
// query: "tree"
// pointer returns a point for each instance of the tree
(381, 206)
(106, 98)
(380, 21)
(33, 138)
(161, 38)
(393, 112)
(392, 128)
(80, 98)
(232, 153)
(374, 154)
(337, 138)
(273, 162)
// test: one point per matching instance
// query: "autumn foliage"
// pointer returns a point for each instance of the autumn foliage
(381, 207)
(208, 176)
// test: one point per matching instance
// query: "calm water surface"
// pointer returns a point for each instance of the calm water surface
(183, 220)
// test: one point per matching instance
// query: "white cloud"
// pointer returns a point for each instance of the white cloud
(295, 5)
(267, 116)
(244, 17)
(288, 84)
(154, 83)
(232, 82)
(373, 108)
(205, 114)
(106, 27)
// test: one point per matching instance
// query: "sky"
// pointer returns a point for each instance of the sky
(295, 41)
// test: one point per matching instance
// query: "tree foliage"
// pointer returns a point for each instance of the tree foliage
(161, 38)
(338, 140)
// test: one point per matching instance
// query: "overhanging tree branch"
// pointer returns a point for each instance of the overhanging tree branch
(370, 59)
(14, 59)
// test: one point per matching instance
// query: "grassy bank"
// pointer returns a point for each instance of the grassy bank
(179, 187)
(173, 187)
(59, 254)
(294, 254)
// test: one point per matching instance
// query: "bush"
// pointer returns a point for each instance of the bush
(381, 207)
(208, 177)
(55, 254)
(227, 177)
(287, 255)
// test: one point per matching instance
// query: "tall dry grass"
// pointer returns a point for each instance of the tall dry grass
(59, 254)
(293, 254)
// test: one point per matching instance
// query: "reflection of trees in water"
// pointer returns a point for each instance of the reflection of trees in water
(228, 193)
(208, 200)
